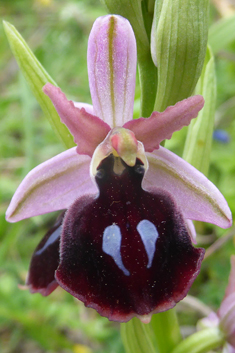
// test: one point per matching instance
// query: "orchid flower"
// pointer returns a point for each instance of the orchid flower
(124, 245)
(225, 317)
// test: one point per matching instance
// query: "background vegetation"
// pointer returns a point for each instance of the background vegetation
(57, 32)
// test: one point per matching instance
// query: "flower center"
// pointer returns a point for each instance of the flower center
(122, 144)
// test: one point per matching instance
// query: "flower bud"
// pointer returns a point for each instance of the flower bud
(178, 47)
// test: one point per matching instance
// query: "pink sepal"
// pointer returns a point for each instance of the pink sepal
(197, 197)
(51, 186)
(111, 61)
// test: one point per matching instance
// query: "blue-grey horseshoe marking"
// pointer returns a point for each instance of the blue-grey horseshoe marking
(149, 235)
(111, 245)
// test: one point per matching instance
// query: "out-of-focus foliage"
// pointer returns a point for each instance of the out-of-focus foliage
(57, 32)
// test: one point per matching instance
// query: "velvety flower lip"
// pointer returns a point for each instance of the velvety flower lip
(130, 202)
(45, 260)
(140, 240)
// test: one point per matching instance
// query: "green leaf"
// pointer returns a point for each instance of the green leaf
(37, 77)
(166, 329)
(222, 33)
(137, 337)
(178, 46)
(200, 131)
(201, 342)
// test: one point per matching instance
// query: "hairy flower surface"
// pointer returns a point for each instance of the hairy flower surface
(124, 246)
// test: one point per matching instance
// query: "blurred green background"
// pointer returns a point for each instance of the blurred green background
(57, 32)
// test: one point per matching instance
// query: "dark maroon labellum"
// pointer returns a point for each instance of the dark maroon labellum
(127, 251)
(45, 260)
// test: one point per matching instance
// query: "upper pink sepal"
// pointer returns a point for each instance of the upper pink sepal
(111, 60)
(160, 126)
(51, 186)
(196, 196)
(88, 130)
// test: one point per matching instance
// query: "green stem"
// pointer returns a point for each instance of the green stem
(148, 83)
(166, 330)
(201, 342)
(138, 337)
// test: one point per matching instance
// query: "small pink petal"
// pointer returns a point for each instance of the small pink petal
(51, 186)
(88, 130)
(160, 126)
(111, 60)
(197, 197)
